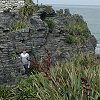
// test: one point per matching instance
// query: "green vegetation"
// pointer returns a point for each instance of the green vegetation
(28, 9)
(74, 39)
(5, 92)
(28, 1)
(50, 24)
(48, 9)
(17, 24)
(24, 12)
(13, 56)
(77, 80)
(77, 29)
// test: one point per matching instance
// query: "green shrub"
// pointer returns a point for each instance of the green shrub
(28, 9)
(50, 24)
(70, 39)
(17, 24)
(74, 39)
(77, 26)
(48, 9)
(77, 29)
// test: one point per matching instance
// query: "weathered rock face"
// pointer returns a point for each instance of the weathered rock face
(7, 64)
(35, 38)
(12, 44)
(61, 50)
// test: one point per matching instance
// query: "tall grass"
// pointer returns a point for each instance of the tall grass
(78, 79)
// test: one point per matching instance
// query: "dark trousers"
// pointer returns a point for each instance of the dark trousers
(26, 69)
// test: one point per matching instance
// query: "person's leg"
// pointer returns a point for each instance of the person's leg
(26, 68)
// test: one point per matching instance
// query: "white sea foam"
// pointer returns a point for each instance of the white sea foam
(98, 45)
(97, 50)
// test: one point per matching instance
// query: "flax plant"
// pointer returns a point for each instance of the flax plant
(78, 79)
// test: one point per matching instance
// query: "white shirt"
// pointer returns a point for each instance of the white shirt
(24, 58)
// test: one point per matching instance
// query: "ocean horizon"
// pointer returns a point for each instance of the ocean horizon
(90, 13)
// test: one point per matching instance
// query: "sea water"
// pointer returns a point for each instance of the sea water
(91, 14)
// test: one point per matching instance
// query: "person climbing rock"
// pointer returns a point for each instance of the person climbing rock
(24, 56)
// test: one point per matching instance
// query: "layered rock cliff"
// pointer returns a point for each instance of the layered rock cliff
(63, 34)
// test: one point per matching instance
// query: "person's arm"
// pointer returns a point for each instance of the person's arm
(28, 64)
(28, 58)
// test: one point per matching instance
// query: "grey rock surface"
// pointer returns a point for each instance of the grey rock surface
(35, 38)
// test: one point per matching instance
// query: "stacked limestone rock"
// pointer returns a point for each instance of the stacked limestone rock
(10, 4)
(8, 62)
(12, 44)
(35, 37)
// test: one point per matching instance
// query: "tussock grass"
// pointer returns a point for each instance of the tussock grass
(78, 79)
